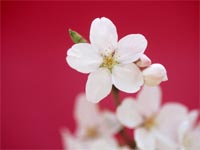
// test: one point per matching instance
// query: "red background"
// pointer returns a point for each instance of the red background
(39, 88)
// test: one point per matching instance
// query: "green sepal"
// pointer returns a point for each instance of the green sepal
(76, 37)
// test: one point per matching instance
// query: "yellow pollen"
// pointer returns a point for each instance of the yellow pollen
(186, 142)
(108, 62)
(149, 123)
(91, 133)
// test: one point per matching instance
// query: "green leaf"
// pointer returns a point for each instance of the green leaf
(76, 37)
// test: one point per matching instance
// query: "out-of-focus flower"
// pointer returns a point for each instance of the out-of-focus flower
(94, 127)
(189, 132)
(126, 148)
(71, 142)
(108, 60)
(93, 123)
(151, 123)
(154, 74)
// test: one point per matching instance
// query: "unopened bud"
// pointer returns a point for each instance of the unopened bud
(144, 61)
(76, 37)
(154, 74)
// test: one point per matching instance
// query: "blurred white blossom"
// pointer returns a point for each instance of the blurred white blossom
(94, 127)
(153, 125)
(189, 132)
(108, 60)
(70, 142)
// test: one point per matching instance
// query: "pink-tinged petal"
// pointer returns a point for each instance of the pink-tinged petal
(128, 113)
(170, 117)
(145, 139)
(144, 61)
(99, 85)
(131, 48)
(85, 111)
(127, 77)
(149, 100)
(83, 58)
(155, 74)
(103, 34)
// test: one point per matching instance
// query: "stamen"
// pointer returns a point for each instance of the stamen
(186, 142)
(91, 132)
(108, 62)
(149, 123)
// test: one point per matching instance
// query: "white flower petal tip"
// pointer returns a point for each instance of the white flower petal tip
(103, 34)
(155, 74)
(83, 58)
(144, 61)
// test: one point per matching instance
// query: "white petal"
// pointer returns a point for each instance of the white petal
(110, 123)
(164, 142)
(103, 34)
(131, 48)
(69, 141)
(149, 100)
(108, 143)
(83, 58)
(155, 74)
(145, 139)
(144, 61)
(99, 85)
(170, 117)
(128, 113)
(194, 137)
(84, 112)
(192, 118)
(187, 125)
(127, 77)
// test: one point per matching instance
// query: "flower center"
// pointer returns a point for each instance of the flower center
(186, 142)
(108, 62)
(91, 132)
(149, 123)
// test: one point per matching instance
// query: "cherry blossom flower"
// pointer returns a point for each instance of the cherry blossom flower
(151, 123)
(187, 135)
(109, 61)
(94, 127)
(71, 142)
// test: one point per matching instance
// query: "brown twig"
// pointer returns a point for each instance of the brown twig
(124, 135)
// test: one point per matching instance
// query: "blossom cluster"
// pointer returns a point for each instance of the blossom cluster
(170, 126)
(115, 66)
(111, 62)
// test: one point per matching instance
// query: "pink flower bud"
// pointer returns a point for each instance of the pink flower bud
(144, 61)
(154, 74)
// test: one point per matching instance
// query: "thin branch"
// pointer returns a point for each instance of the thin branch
(122, 132)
